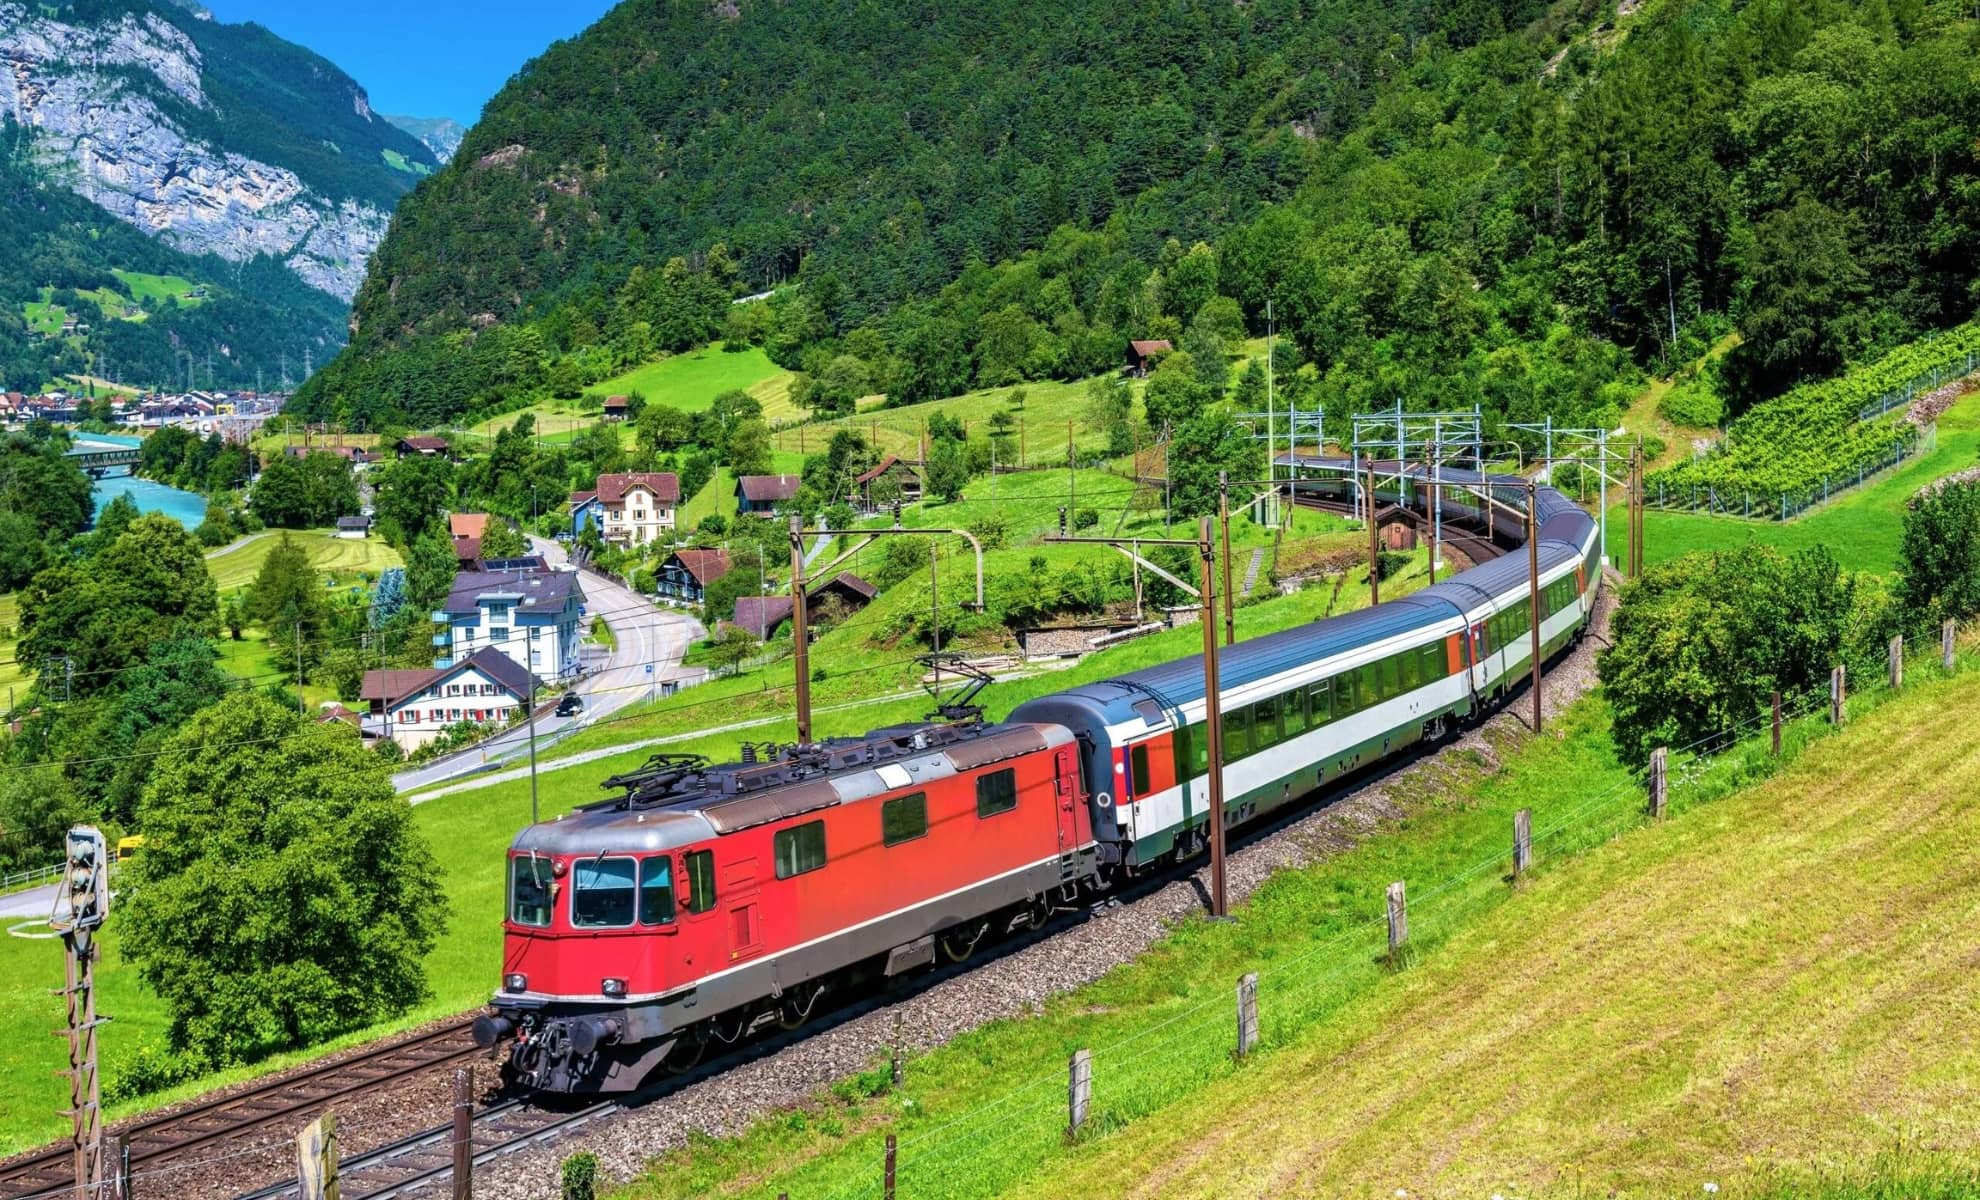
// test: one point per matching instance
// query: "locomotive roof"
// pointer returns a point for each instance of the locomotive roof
(683, 801)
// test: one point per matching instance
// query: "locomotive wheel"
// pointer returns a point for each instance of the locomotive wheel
(685, 1056)
(1039, 912)
(959, 944)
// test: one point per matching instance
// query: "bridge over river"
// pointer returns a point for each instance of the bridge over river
(99, 457)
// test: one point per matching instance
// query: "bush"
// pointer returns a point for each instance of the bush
(152, 1069)
(1086, 518)
(1692, 403)
(580, 1177)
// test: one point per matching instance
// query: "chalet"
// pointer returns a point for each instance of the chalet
(763, 494)
(357, 456)
(1141, 356)
(617, 408)
(354, 529)
(686, 574)
(414, 707)
(889, 481)
(474, 525)
(423, 446)
(761, 615)
(531, 616)
(467, 553)
(638, 507)
(845, 588)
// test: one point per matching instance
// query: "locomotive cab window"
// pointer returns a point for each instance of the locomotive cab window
(602, 892)
(656, 891)
(529, 890)
(700, 871)
(800, 848)
(903, 819)
(996, 792)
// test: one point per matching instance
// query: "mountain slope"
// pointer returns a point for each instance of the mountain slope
(442, 135)
(220, 139)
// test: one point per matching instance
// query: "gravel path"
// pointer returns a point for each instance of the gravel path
(1021, 981)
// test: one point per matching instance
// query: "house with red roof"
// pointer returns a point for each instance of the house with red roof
(638, 506)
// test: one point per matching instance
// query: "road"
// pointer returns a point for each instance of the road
(645, 635)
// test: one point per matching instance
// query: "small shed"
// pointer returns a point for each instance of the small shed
(1141, 355)
(354, 529)
(765, 493)
(617, 408)
(889, 480)
(423, 446)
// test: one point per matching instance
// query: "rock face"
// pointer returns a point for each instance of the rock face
(114, 106)
(442, 135)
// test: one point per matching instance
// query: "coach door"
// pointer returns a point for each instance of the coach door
(1065, 793)
(745, 918)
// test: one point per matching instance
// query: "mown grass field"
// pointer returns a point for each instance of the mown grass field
(342, 561)
(691, 381)
(1048, 406)
(1768, 989)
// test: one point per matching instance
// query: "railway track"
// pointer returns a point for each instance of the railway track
(283, 1101)
(1472, 544)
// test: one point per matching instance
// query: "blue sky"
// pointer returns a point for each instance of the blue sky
(423, 58)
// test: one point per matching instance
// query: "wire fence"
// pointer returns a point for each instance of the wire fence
(1757, 505)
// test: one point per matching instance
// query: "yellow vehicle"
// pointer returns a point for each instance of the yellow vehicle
(128, 848)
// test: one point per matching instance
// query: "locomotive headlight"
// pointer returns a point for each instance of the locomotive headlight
(612, 987)
(515, 982)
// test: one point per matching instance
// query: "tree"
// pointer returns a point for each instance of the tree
(1201, 448)
(430, 567)
(732, 648)
(1174, 395)
(23, 552)
(281, 496)
(389, 597)
(413, 494)
(501, 540)
(284, 895)
(948, 469)
(37, 806)
(83, 622)
(663, 429)
(1939, 562)
(1206, 354)
(747, 451)
(286, 599)
(234, 615)
(1110, 405)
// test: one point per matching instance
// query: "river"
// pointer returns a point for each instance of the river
(187, 508)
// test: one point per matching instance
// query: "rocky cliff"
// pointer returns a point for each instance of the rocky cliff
(217, 139)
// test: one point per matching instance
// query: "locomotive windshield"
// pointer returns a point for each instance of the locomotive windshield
(529, 890)
(603, 893)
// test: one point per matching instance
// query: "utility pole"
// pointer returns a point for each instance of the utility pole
(799, 653)
(1374, 542)
(1072, 474)
(1213, 723)
(1533, 590)
(300, 710)
(1224, 518)
(532, 742)
(79, 911)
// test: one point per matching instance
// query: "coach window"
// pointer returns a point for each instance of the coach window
(700, 870)
(1320, 703)
(1411, 671)
(1237, 733)
(1138, 767)
(656, 890)
(529, 890)
(903, 819)
(996, 792)
(1265, 724)
(602, 892)
(799, 849)
(1292, 712)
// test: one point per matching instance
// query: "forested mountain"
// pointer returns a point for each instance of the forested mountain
(1512, 204)
(256, 168)
(442, 135)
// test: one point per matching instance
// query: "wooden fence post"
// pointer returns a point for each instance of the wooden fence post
(1079, 1091)
(1838, 686)
(1777, 724)
(1398, 919)
(1659, 780)
(1946, 644)
(1247, 1008)
(464, 1134)
(316, 1160)
(887, 1175)
(1522, 841)
(1897, 661)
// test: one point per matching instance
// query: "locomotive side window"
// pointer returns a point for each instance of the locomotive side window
(996, 792)
(903, 819)
(529, 891)
(656, 891)
(700, 881)
(800, 848)
(602, 892)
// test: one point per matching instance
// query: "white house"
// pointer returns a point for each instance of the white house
(638, 507)
(354, 529)
(413, 707)
(533, 615)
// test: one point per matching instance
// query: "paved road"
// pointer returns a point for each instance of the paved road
(645, 635)
(35, 902)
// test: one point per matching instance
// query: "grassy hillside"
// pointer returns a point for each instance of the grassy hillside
(691, 381)
(340, 559)
(1769, 985)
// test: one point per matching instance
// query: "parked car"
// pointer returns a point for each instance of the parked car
(571, 705)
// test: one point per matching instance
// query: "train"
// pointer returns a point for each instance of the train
(709, 901)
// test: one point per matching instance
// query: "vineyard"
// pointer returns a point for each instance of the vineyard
(1794, 452)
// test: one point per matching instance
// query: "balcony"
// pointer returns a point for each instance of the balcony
(442, 618)
(444, 639)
